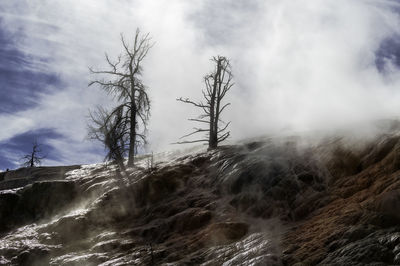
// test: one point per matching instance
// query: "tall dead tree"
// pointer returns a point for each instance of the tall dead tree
(123, 81)
(35, 157)
(217, 83)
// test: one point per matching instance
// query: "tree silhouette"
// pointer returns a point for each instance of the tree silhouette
(218, 83)
(123, 81)
(35, 157)
(111, 131)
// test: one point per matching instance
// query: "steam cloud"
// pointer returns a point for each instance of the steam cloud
(298, 65)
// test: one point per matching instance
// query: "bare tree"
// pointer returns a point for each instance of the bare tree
(123, 81)
(35, 157)
(218, 83)
(110, 129)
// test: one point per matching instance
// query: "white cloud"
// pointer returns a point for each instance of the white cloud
(301, 64)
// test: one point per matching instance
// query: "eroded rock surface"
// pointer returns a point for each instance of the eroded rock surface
(285, 201)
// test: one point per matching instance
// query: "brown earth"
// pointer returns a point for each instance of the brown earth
(364, 205)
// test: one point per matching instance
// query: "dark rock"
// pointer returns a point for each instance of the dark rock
(223, 233)
(28, 175)
(382, 220)
(191, 219)
(70, 228)
(334, 245)
(244, 201)
(254, 145)
(379, 151)
(8, 203)
(307, 202)
(200, 161)
(34, 202)
(2, 175)
(306, 177)
(41, 173)
(290, 249)
(362, 251)
(44, 198)
(344, 162)
(357, 232)
(15, 183)
(390, 240)
(161, 184)
(32, 257)
(389, 204)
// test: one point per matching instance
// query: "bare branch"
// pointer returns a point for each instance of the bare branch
(222, 109)
(194, 132)
(191, 102)
(224, 128)
(224, 137)
(199, 120)
(191, 141)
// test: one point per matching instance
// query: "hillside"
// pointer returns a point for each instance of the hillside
(271, 201)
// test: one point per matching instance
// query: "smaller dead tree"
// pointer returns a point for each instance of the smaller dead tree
(110, 129)
(218, 83)
(35, 157)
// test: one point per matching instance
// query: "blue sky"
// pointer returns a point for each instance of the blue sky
(20, 81)
(298, 64)
(20, 87)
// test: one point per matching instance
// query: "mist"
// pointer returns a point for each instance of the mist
(298, 65)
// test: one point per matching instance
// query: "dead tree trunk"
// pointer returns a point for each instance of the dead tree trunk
(132, 138)
(126, 86)
(218, 83)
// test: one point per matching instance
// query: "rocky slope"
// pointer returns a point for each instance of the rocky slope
(274, 201)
